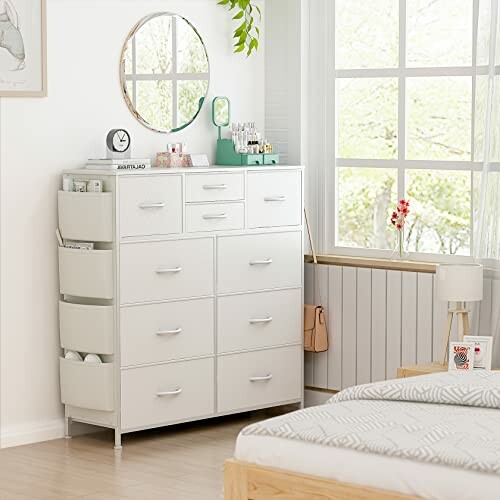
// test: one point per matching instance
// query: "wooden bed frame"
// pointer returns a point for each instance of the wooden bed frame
(245, 481)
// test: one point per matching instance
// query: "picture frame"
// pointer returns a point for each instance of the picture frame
(461, 356)
(483, 350)
(23, 48)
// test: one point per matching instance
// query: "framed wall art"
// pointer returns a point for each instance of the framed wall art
(23, 48)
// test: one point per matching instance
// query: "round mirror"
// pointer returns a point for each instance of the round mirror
(164, 72)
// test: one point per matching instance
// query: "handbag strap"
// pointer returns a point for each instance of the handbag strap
(315, 257)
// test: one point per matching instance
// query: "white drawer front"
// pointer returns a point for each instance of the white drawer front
(164, 332)
(259, 262)
(274, 199)
(215, 187)
(150, 205)
(262, 319)
(259, 378)
(161, 394)
(162, 270)
(215, 217)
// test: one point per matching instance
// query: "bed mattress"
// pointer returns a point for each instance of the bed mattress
(366, 469)
(435, 436)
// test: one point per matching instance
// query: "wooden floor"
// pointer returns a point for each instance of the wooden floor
(179, 463)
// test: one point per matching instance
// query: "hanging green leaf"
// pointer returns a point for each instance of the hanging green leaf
(247, 34)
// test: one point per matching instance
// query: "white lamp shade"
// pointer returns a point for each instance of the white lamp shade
(460, 283)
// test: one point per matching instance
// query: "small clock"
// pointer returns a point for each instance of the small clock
(118, 143)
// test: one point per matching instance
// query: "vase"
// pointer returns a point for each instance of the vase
(400, 252)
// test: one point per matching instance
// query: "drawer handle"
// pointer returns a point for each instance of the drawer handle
(159, 204)
(169, 270)
(215, 216)
(275, 198)
(214, 186)
(169, 393)
(169, 332)
(260, 320)
(261, 262)
(261, 379)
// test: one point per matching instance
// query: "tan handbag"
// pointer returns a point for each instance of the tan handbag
(315, 332)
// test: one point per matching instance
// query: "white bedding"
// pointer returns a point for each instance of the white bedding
(377, 471)
(435, 436)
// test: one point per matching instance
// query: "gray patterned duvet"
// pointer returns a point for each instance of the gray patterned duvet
(448, 418)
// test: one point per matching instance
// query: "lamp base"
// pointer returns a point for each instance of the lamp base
(463, 320)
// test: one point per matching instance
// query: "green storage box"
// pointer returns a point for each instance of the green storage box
(227, 156)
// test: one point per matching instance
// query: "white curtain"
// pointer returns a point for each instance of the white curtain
(486, 239)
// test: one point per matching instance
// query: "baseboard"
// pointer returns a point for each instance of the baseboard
(34, 433)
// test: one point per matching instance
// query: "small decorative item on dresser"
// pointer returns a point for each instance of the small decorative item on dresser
(398, 220)
(461, 356)
(118, 144)
(483, 347)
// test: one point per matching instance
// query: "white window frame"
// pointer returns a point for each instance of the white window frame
(328, 184)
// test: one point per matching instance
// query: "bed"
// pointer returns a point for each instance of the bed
(435, 436)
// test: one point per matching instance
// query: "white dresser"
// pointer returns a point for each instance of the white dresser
(193, 296)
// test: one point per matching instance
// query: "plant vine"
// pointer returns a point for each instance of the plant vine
(247, 33)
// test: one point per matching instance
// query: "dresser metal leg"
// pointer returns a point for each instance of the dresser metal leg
(118, 439)
(67, 427)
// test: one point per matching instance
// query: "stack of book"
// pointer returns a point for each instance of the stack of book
(119, 164)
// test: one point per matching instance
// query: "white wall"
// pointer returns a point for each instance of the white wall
(41, 137)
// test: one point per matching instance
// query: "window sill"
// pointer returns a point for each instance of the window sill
(370, 263)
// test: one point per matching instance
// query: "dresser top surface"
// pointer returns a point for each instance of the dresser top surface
(166, 171)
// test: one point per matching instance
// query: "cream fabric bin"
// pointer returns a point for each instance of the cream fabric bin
(86, 273)
(86, 216)
(86, 328)
(87, 385)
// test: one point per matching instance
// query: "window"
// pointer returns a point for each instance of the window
(408, 94)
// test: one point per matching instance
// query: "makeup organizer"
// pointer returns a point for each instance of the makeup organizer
(246, 146)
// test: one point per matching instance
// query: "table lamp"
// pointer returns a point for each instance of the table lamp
(459, 283)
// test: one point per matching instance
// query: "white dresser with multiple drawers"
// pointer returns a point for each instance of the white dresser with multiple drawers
(192, 296)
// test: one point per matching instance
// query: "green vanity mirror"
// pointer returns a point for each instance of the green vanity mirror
(221, 112)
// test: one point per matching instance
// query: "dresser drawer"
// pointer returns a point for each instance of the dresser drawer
(259, 378)
(215, 217)
(150, 205)
(167, 393)
(165, 332)
(274, 199)
(162, 270)
(215, 187)
(263, 319)
(259, 262)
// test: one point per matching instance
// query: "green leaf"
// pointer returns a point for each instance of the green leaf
(259, 11)
(223, 2)
(257, 29)
(240, 48)
(239, 15)
(240, 29)
(243, 4)
(254, 44)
